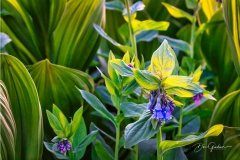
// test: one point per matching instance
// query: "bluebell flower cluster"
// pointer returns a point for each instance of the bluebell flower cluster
(160, 106)
(64, 146)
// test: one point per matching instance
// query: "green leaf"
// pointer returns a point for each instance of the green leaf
(57, 85)
(175, 154)
(111, 71)
(139, 26)
(75, 39)
(146, 80)
(162, 62)
(231, 12)
(176, 81)
(80, 135)
(4, 40)
(115, 5)
(77, 120)
(121, 67)
(25, 107)
(140, 130)
(110, 137)
(104, 95)
(101, 151)
(131, 109)
(146, 36)
(60, 116)
(97, 105)
(104, 35)
(138, 6)
(176, 43)
(49, 147)
(178, 13)
(192, 106)
(226, 112)
(191, 4)
(109, 84)
(7, 125)
(56, 125)
(131, 87)
(85, 142)
(231, 142)
(167, 144)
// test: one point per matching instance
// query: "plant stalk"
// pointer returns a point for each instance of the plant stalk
(136, 152)
(131, 32)
(117, 138)
(159, 140)
(193, 36)
(180, 122)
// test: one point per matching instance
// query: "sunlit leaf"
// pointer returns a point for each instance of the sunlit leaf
(162, 62)
(167, 144)
(25, 107)
(178, 13)
(7, 125)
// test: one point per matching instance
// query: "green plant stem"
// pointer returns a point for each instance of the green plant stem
(136, 152)
(159, 140)
(192, 37)
(180, 121)
(117, 138)
(131, 33)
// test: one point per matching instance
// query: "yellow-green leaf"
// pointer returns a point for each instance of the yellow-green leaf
(213, 131)
(162, 62)
(176, 81)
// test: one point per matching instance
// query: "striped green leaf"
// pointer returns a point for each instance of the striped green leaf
(7, 125)
(25, 106)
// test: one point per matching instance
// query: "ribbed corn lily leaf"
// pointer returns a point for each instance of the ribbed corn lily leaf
(76, 40)
(59, 30)
(231, 12)
(57, 85)
(7, 126)
(25, 107)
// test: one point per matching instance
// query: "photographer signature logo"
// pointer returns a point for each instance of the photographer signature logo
(211, 146)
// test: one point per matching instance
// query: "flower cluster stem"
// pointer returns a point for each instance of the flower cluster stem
(159, 140)
(131, 32)
(193, 35)
(136, 152)
(117, 141)
(180, 121)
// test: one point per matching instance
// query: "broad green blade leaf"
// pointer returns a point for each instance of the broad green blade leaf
(7, 125)
(175, 154)
(77, 120)
(131, 109)
(104, 95)
(178, 13)
(85, 142)
(138, 6)
(101, 151)
(176, 43)
(162, 62)
(57, 85)
(146, 36)
(140, 130)
(75, 39)
(176, 81)
(56, 125)
(131, 87)
(104, 35)
(60, 116)
(25, 108)
(110, 137)
(231, 142)
(231, 12)
(188, 91)
(97, 105)
(227, 113)
(111, 71)
(167, 144)
(190, 125)
(215, 40)
(121, 67)
(115, 5)
(80, 135)
(146, 80)
(49, 147)
(139, 26)
(191, 4)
